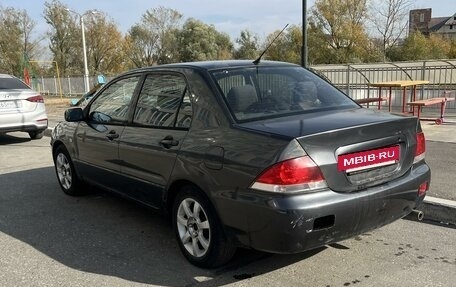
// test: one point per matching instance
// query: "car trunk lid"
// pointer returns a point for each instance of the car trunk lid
(356, 135)
(14, 101)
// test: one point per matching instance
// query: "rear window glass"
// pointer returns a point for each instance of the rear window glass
(266, 92)
(12, 84)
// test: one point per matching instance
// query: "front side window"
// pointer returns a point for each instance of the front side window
(267, 92)
(164, 101)
(111, 106)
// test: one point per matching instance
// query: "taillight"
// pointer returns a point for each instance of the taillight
(36, 99)
(420, 150)
(423, 188)
(293, 175)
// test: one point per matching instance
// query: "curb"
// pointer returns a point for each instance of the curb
(440, 210)
(434, 209)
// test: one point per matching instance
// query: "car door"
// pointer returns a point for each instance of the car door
(97, 139)
(149, 144)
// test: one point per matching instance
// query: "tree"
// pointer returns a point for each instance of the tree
(439, 47)
(65, 38)
(419, 47)
(10, 56)
(415, 47)
(153, 40)
(17, 44)
(389, 19)
(287, 47)
(105, 46)
(319, 52)
(199, 42)
(343, 22)
(248, 46)
(452, 52)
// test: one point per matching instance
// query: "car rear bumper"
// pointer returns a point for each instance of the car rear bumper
(295, 223)
(23, 122)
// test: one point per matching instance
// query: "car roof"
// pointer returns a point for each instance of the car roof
(212, 65)
(6, 76)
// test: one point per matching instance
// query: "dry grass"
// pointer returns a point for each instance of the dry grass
(56, 105)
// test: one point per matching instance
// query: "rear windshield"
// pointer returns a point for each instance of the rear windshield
(12, 84)
(267, 92)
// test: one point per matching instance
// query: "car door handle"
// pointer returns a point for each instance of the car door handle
(169, 142)
(112, 135)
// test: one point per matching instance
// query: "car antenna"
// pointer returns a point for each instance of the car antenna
(257, 61)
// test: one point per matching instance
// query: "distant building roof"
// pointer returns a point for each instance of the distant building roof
(437, 23)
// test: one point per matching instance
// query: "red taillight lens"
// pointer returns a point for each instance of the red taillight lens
(298, 174)
(420, 147)
(36, 99)
(423, 188)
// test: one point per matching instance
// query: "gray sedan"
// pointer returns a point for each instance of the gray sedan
(261, 155)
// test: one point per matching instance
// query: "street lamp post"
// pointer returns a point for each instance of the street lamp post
(86, 69)
(84, 50)
(304, 34)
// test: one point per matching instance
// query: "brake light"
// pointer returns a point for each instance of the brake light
(293, 175)
(420, 150)
(36, 99)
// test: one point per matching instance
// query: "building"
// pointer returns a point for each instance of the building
(421, 20)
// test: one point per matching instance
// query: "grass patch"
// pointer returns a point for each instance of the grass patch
(56, 105)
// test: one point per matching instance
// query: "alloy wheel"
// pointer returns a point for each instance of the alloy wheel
(193, 227)
(63, 171)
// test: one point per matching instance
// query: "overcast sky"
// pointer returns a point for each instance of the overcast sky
(259, 16)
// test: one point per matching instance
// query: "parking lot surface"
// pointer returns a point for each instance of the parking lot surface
(50, 239)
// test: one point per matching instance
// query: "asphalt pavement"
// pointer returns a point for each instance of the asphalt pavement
(50, 239)
(440, 203)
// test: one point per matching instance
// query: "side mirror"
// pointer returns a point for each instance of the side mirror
(74, 115)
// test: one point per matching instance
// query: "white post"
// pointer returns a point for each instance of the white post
(43, 89)
(69, 85)
(55, 86)
(86, 70)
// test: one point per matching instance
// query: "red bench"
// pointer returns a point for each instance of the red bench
(371, 100)
(428, 102)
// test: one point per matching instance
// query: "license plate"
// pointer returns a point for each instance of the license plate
(7, 105)
(368, 159)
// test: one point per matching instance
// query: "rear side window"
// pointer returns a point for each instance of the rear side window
(164, 101)
(268, 92)
(12, 84)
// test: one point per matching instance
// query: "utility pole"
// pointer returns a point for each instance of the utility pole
(304, 34)
(84, 50)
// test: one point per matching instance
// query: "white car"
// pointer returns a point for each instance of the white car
(21, 108)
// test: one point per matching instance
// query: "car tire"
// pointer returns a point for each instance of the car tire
(66, 174)
(36, 135)
(198, 230)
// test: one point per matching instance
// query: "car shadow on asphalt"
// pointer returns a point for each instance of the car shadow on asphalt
(6, 139)
(104, 234)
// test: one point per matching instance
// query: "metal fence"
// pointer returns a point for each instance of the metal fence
(67, 86)
(353, 79)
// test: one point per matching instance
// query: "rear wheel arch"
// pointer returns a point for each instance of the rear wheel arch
(174, 189)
